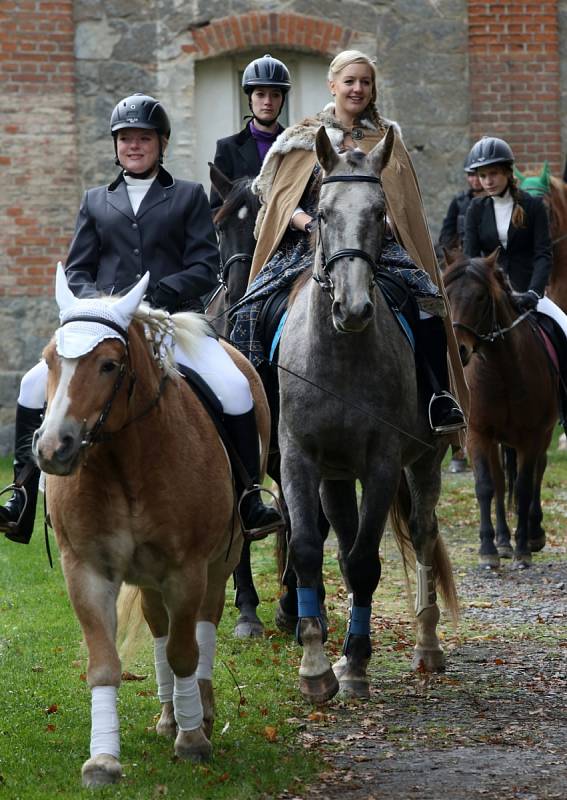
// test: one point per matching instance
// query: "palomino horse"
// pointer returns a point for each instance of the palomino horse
(514, 402)
(139, 490)
(358, 416)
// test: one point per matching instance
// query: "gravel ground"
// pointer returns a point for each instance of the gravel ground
(493, 725)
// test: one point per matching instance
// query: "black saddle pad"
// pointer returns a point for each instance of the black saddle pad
(270, 317)
(399, 297)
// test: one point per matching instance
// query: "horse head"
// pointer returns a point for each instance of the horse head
(234, 222)
(88, 360)
(351, 218)
(481, 303)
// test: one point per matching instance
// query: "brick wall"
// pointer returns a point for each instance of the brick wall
(38, 200)
(514, 74)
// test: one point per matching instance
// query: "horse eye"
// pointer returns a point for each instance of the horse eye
(108, 366)
(322, 216)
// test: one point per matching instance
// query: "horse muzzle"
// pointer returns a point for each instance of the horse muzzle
(58, 452)
(353, 318)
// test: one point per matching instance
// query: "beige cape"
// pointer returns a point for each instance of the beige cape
(282, 181)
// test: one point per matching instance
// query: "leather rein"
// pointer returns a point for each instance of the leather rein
(496, 331)
(96, 434)
(326, 282)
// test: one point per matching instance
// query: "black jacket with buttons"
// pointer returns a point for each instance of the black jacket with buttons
(171, 236)
(527, 257)
(237, 157)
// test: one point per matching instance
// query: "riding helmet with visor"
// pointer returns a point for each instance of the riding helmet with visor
(266, 71)
(489, 150)
(140, 111)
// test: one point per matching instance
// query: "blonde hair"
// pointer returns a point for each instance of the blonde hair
(345, 59)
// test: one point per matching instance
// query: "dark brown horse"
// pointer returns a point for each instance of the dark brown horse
(514, 402)
(139, 490)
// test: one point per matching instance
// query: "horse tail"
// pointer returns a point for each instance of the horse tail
(442, 569)
(131, 629)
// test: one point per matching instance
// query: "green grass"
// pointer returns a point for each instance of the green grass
(45, 724)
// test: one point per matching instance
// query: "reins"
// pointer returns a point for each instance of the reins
(96, 434)
(496, 332)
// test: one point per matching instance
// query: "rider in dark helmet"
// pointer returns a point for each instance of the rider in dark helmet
(140, 111)
(266, 81)
(452, 233)
(145, 220)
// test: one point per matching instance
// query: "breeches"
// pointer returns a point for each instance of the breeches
(547, 306)
(212, 363)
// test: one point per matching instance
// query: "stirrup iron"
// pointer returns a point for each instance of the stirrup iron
(255, 534)
(12, 527)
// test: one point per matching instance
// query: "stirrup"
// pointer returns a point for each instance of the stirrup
(7, 526)
(255, 534)
(445, 429)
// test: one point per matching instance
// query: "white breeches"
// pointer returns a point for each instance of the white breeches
(547, 306)
(211, 361)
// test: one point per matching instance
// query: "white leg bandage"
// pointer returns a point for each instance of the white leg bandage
(104, 722)
(207, 640)
(187, 703)
(164, 673)
(425, 591)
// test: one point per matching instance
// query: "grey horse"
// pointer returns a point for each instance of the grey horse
(359, 416)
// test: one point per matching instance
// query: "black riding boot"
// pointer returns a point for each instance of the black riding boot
(445, 414)
(257, 518)
(17, 516)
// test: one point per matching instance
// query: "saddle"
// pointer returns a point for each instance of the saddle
(554, 341)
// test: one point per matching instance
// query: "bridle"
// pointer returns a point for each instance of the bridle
(225, 265)
(326, 282)
(495, 330)
(95, 434)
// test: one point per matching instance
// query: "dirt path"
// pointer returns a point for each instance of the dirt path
(493, 725)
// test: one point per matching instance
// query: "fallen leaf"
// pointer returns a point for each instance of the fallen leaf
(271, 733)
(52, 709)
(130, 676)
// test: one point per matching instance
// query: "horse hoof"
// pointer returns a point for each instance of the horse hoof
(522, 560)
(428, 660)
(339, 667)
(101, 770)
(166, 725)
(319, 689)
(489, 560)
(537, 544)
(287, 623)
(248, 629)
(505, 550)
(193, 746)
(355, 688)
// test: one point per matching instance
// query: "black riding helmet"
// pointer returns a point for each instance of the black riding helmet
(266, 71)
(489, 150)
(140, 111)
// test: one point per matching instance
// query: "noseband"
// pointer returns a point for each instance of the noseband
(351, 253)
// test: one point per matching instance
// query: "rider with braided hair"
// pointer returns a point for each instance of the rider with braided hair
(288, 187)
(144, 221)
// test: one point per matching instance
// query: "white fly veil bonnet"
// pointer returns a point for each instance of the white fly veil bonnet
(85, 322)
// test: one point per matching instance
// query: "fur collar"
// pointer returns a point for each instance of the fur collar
(301, 136)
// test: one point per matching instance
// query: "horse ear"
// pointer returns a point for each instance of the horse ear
(380, 153)
(545, 176)
(126, 306)
(326, 154)
(221, 183)
(492, 259)
(63, 295)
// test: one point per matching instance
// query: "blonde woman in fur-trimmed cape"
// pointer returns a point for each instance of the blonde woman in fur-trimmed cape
(288, 187)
